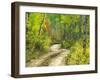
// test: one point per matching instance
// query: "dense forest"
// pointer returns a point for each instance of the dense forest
(46, 29)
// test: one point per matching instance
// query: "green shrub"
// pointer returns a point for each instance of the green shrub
(67, 43)
(31, 55)
(38, 45)
(77, 56)
(42, 43)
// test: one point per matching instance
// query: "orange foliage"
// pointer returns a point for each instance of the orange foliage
(46, 24)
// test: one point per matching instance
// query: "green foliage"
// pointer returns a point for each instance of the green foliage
(34, 21)
(67, 44)
(77, 55)
(45, 29)
(41, 43)
(37, 45)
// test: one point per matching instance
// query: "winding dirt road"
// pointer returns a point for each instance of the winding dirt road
(55, 57)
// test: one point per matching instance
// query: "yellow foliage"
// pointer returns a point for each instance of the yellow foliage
(77, 56)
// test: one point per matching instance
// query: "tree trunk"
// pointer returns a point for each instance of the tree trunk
(27, 18)
(41, 24)
(84, 41)
(80, 25)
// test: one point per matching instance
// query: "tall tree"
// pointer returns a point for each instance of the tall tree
(84, 41)
(42, 23)
(80, 25)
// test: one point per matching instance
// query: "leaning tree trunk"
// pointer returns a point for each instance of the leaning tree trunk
(41, 24)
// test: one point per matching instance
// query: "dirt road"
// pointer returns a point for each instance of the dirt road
(55, 57)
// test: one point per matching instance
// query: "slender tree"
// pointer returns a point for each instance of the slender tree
(80, 26)
(41, 23)
(84, 40)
